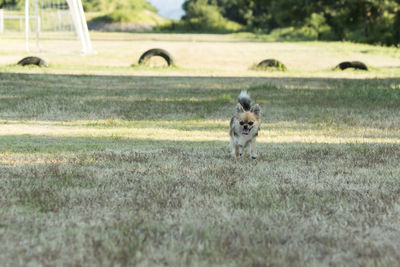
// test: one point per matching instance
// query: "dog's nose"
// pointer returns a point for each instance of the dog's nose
(245, 127)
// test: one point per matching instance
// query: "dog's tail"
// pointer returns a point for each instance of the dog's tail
(244, 100)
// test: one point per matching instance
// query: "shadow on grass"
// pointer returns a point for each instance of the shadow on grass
(57, 97)
(57, 146)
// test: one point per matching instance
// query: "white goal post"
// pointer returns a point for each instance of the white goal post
(78, 18)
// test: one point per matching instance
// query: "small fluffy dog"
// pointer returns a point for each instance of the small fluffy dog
(244, 126)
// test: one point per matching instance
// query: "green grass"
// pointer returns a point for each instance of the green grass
(119, 166)
(129, 16)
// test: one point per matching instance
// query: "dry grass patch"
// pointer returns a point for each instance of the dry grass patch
(203, 55)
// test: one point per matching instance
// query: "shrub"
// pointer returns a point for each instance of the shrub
(319, 27)
(115, 16)
(315, 28)
(122, 11)
(294, 34)
(203, 17)
(114, 5)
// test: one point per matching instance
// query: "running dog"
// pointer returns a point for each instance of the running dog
(244, 126)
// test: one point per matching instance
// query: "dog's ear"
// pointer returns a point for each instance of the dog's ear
(239, 108)
(256, 110)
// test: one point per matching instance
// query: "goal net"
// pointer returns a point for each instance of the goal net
(49, 26)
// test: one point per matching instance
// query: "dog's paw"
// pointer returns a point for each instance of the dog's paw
(233, 154)
(253, 156)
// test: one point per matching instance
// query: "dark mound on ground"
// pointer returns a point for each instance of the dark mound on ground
(157, 52)
(352, 64)
(33, 61)
(270, 63)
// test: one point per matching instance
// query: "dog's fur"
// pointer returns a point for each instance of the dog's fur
(244, 126)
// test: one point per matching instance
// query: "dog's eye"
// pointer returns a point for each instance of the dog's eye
(251, 123)
(241, 123)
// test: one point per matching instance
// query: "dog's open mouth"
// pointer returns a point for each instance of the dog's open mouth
(246, 131)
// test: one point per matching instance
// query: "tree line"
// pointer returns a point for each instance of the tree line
(370, 21)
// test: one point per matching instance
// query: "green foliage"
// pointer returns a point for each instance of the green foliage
(115, 16)
(117, 5)
(369, 21)
(318, 24)
(294, 34)
(122, 11)
(204, 17)
(314, 28)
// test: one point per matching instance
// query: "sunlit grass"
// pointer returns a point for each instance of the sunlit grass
(283, 132)
(203, 55)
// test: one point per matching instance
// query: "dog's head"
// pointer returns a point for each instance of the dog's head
(248, 120)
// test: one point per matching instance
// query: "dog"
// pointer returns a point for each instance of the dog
(244, 126)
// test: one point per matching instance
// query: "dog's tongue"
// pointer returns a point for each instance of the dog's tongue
(245, 131)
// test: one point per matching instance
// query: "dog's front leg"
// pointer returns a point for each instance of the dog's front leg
(235, 148)
(237, 151)
(252, 148)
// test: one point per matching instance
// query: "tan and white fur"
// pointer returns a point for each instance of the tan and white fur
(244, 126)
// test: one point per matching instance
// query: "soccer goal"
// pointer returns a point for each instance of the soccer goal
(49, 26)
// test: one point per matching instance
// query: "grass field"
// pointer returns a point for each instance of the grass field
(103, 163)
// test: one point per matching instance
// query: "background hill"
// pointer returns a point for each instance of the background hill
(122, 15)
(113, 15)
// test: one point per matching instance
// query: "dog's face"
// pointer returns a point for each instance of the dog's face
(248, 120)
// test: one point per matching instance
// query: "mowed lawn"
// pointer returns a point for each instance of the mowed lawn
(127, 166)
